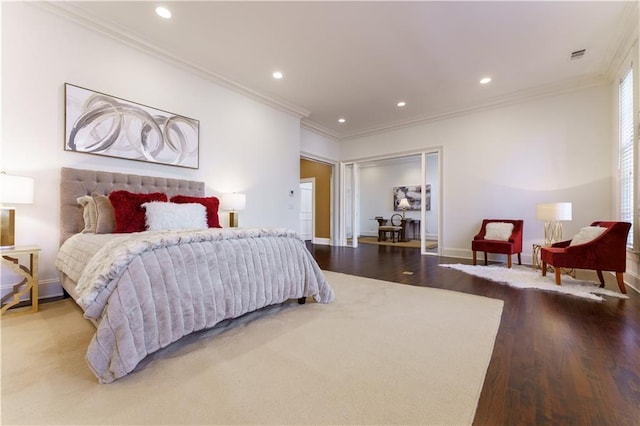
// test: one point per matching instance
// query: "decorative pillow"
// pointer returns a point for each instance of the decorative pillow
(211, 203)
(128, 211)
(166, 216)
(89, 214)
(587, 234)
(105, 217)
(500, 231)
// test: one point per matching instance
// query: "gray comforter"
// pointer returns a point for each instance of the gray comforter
(149, 289)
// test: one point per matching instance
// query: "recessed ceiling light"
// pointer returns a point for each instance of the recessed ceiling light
(485, 80)
(163, 12)
(401, 104)
(341, 120)
(278, 75)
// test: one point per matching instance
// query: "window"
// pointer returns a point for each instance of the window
(625, 133)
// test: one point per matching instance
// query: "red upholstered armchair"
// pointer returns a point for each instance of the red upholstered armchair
(607, 252)
(508, 245)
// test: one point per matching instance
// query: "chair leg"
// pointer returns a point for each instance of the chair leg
(509, 261)
(620, 278)
(557, 269)
(544, 268)
(519, 259)
(601, 278)
(474, 258)
(485, 259)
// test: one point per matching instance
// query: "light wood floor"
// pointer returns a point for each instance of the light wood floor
(557, 360)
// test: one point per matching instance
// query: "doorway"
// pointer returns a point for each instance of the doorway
(321, 176)
(370, 188)
(307, 217)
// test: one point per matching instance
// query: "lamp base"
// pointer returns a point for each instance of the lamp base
(233, 219)
(552, 232)
(7, 227)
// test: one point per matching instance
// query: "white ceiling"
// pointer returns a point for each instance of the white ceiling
(358, 59)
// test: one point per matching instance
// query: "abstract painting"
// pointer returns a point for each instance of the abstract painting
(101, 124)
(413, 194)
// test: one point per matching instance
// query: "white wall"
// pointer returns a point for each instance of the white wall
(499, 163)
(244, 145)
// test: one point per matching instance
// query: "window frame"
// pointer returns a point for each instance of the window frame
(630, 62)
(627, 152)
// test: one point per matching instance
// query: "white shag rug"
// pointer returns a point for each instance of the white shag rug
(526, 277)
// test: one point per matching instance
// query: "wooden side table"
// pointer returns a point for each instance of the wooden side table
(28, 273)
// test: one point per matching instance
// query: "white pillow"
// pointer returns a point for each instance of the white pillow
(587, 234)
(498, 231)
(161, 216)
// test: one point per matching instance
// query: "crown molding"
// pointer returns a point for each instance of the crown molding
(74, 14)
(321, 130)
(627, 36)
(510, 99)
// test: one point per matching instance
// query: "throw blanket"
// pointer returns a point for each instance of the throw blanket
(149, 289)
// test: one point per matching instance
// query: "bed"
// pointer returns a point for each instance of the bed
(146, 290)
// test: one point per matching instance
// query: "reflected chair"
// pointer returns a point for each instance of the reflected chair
(394, 229)
(493, 242)
(606, 252)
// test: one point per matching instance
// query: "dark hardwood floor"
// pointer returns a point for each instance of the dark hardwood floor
(557, 359)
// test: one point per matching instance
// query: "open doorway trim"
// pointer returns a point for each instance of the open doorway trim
(334, 205)
(355, 214)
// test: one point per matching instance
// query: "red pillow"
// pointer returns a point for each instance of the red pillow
(210, 203)
(128, 210)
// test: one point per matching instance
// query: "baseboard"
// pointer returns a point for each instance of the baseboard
(322, 241)
(633, 281)
(49, 288)
(46, 289)
(527, 259)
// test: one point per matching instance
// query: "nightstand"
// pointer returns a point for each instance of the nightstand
(13, 257)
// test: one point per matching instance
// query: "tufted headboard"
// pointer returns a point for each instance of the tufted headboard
(75, 183)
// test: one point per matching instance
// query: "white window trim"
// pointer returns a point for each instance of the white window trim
(630, 62)
(627, 152)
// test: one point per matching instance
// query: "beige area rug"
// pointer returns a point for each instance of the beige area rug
(382, 353)
(410, 243)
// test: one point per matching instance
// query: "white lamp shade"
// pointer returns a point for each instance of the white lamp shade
(16, 189)
(551, 212)
(233, 202)
(404, 204)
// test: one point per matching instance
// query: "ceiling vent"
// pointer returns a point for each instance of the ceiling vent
(577, 54)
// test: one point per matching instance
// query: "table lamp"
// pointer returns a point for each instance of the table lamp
(233, 202)
(553, 214)
(404, 205)
(13, 190)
